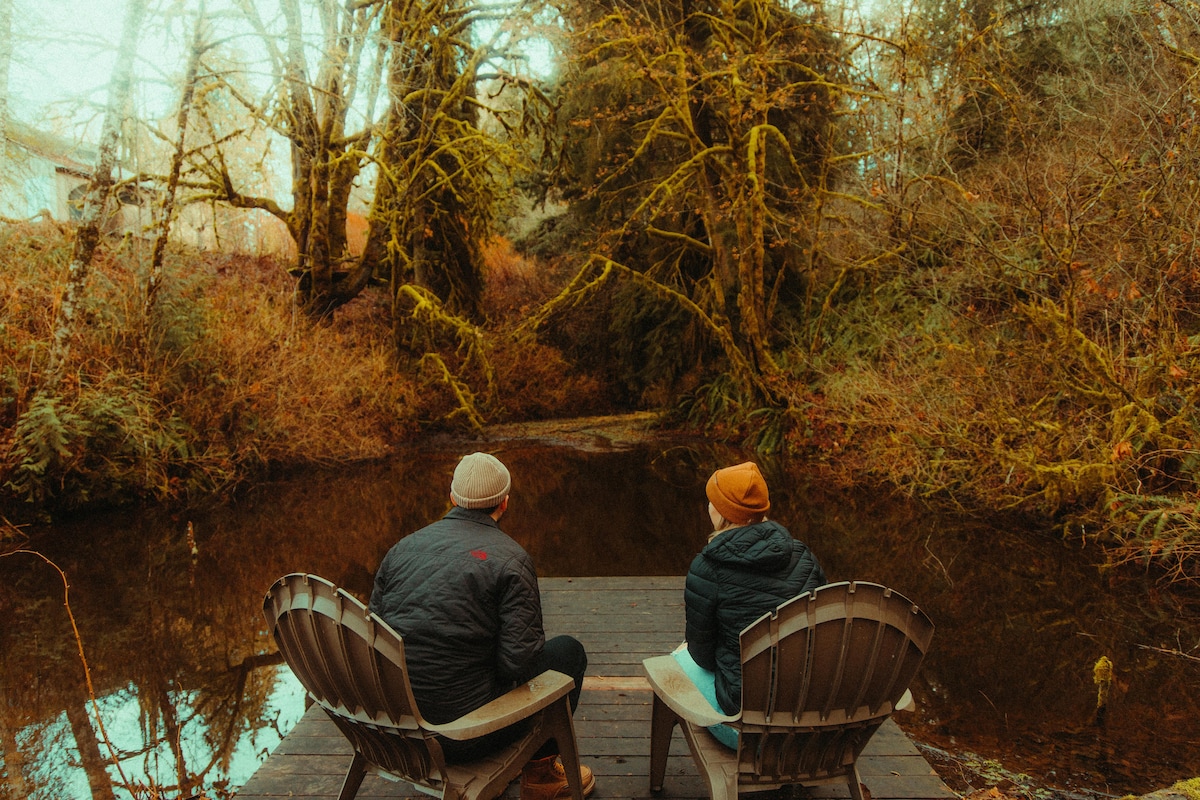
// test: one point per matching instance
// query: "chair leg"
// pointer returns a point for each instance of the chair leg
(723, 782)
(855, 781)
(354, 777)
(662, 725)
(568, 748)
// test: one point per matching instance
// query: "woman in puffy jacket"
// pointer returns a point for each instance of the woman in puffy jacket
(750, 566)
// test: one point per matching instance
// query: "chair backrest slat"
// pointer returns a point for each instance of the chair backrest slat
(837, 633)
(340, 654)
(383, 675)
(299, 629)
(867, 694)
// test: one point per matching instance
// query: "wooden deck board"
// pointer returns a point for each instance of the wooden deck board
(620, 621)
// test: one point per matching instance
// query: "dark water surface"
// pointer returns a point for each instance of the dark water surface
(175, 641)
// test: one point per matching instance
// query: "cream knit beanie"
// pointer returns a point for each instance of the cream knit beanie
(480, 481)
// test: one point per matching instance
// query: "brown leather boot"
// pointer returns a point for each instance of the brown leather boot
(545, 779)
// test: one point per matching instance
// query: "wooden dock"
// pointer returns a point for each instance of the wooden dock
(620, 621)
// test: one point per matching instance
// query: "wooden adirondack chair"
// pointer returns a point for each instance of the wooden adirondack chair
(352, 665)
(819, 676)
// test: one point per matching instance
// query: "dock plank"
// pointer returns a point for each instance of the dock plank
(620, 622)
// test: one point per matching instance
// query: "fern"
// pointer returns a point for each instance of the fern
(43, 435)
(132, 440)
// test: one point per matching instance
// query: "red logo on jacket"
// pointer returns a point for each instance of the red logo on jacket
(481, 555)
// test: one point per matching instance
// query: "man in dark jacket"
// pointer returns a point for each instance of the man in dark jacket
(464, 596)
(750, 566)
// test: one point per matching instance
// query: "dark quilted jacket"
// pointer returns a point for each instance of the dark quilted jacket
(464, 596)
(742, 574)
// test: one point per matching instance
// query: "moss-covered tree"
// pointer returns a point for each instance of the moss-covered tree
(700, 136)
(310, 107)
(439, 172)
(431, 174)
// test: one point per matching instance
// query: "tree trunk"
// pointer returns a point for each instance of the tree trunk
(14, 786)
(99, 188)
(181, 123)
(6, 51)
(93, 762)
(438, 217)
(324, 161)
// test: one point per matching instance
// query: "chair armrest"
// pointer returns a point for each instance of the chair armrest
(676, 689)
(522, 702)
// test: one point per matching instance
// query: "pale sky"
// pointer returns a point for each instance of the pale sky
(63, 57)
(64, 52)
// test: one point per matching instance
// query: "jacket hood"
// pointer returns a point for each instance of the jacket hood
(764, 546)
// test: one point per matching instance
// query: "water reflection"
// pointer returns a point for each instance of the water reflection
(175, 641)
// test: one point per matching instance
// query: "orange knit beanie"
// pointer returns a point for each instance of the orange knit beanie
(739, 493)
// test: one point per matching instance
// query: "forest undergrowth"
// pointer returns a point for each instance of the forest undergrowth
(224, 381)
(228, 379)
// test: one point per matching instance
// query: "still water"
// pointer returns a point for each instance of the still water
(189, 699)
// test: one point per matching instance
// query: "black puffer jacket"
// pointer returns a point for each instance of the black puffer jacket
(464, 596)
(742, 574)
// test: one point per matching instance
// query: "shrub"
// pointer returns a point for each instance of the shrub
(222, 380)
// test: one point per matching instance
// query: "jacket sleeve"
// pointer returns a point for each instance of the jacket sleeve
(808, 560)
(700, 609)
(522, 636)
(379, 592)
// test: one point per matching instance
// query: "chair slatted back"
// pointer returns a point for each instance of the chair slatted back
(352, 664)
(821, 673)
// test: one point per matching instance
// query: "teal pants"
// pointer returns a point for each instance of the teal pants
(706, 682)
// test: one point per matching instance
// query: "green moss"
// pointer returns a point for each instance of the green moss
(1189, 788)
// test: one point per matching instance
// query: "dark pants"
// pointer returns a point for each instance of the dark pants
(562, 653)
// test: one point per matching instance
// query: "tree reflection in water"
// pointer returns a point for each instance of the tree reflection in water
(178, 682)
(192, 700)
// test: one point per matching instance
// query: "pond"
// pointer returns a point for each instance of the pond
(190, 699)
